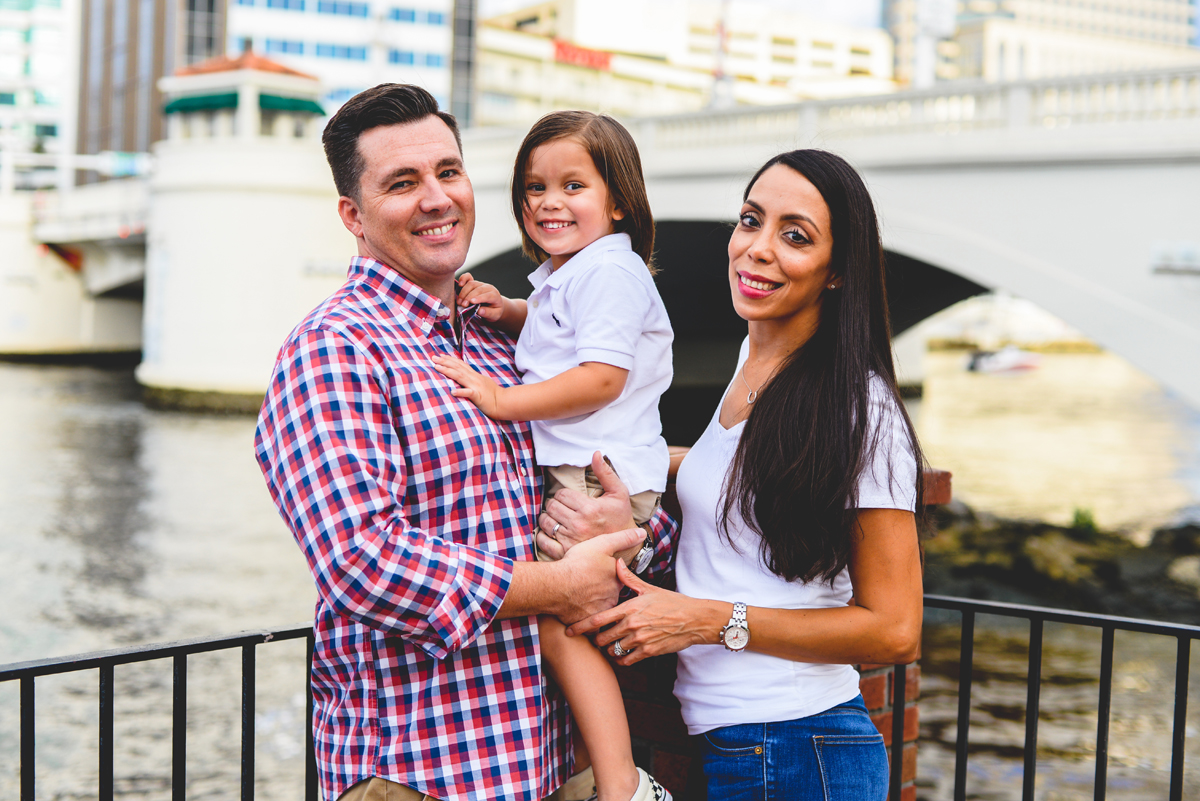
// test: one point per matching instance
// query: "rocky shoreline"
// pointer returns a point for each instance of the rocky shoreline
(1078, 567)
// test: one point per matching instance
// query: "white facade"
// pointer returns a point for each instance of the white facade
(350, 45)
(38, 42)
(674, 48)
(1000, 49)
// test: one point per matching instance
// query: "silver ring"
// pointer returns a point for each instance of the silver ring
(554, 531)
(618, 650)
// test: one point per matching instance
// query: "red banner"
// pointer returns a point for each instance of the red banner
(567, 53)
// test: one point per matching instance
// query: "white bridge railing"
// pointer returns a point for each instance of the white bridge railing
(1149, 96)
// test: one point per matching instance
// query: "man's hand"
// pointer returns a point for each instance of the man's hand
(583, 584)
(478, 389)
(580, 518)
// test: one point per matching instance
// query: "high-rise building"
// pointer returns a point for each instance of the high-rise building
(350, 45)
(36, 98)
(634, 57)
(922, 31)
(125, 47)
(1014, 39)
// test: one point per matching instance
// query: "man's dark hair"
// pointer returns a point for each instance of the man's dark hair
(385, 104)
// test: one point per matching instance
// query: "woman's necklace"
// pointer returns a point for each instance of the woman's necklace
(753, 394)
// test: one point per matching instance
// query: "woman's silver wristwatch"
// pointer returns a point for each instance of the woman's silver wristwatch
(736, 634)
(641, 559)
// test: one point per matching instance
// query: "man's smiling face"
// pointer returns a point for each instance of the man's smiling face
(416, 210)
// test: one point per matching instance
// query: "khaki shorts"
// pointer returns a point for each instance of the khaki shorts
(583, 479)
(377, 789)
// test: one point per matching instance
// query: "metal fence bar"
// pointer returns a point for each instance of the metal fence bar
(896, 778)
(966, 667)
(28, 744)
(106, 732)
(1032, 700)
(179, 728)
(311, 792)
(1103, 713)
(1183, 656)
(248, 722)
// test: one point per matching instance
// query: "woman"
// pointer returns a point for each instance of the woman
(799, 553)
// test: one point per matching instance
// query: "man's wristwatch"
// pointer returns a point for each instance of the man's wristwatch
(641, 559)
(736, 634)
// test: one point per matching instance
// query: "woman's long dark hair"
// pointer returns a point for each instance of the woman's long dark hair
(809, 436)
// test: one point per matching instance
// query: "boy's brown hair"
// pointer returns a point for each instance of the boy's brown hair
(616, 158)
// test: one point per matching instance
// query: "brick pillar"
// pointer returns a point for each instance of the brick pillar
(875, 683)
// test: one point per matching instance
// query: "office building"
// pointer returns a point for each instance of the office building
(350, 45)
(632, 58)
(36, 96)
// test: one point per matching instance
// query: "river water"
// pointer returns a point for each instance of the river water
(122, 525)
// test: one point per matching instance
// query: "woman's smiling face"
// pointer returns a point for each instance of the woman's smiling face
(779, 253)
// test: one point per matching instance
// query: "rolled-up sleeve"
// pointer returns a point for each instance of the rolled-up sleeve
(335, 465)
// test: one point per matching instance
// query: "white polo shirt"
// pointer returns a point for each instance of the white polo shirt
(602, 306)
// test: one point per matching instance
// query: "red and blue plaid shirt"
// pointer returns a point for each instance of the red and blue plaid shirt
(410, 506)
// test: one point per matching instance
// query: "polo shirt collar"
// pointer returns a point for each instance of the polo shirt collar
(421, 307)
(556, 278)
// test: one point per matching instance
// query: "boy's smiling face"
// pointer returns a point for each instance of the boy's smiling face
(567, 203)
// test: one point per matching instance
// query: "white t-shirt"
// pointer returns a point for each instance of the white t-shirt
(602, 306)
(716, 687)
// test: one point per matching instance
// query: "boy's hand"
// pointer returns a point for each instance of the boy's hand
(478, 389)
(485, 296)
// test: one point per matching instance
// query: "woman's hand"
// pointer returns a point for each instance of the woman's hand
(579, 517)
(656, 622)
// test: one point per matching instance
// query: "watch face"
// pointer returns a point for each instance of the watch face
(736, 638)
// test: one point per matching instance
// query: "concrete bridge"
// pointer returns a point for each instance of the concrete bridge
(1077, 194)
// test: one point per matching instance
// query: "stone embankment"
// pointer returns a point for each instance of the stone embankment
(1076, 567)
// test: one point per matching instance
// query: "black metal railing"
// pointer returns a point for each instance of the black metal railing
(28, 672)
(104, 661)
(1038, 617)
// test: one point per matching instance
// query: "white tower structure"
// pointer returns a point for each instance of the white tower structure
(241, 160)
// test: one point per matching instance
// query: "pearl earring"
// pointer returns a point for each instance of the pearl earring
(833, 286)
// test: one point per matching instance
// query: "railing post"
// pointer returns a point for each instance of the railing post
(28, 744)
(1032, 701)
(1183, 655)
(179, 729)
(106, 732)
(310, 759)
(966, 666)
(1103, 713)
(899, 680)
(248, 722)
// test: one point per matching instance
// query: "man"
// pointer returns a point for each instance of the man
(413, 509)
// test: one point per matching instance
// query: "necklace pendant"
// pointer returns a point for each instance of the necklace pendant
(752, 397)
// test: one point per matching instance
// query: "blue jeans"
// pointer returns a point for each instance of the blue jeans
(836, 755)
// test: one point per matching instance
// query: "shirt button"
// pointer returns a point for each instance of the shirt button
(521, 470)
(443, 313)
(535, 304)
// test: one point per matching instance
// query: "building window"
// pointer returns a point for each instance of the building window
(435, 18)
(402, 15)
(285, 46)
(288, 5)
(8, 98)
(348, 52)
(401, 57)
(346, 9)
(435, 60)
(245, 2)
(341, 95)
(45, 130)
